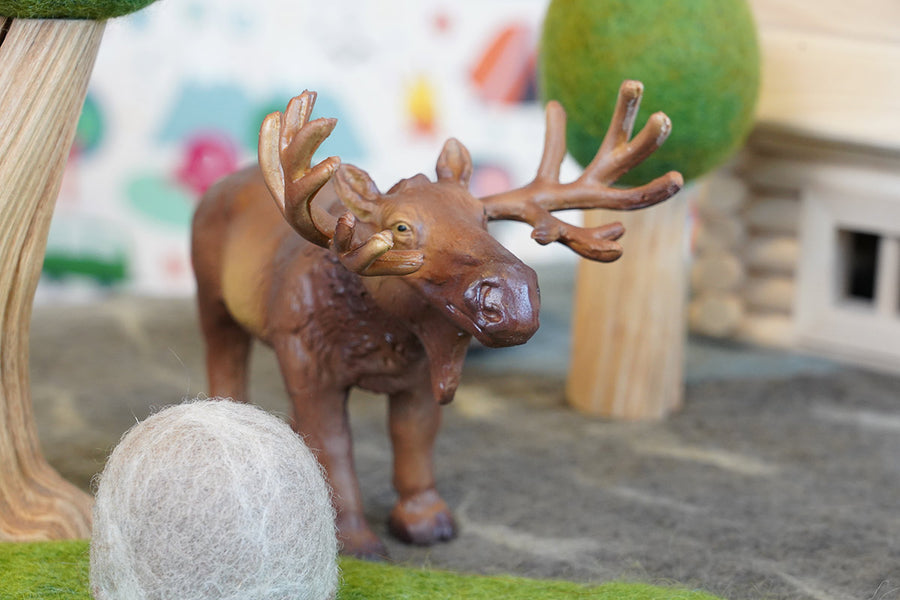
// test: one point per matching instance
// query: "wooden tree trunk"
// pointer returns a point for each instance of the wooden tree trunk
(628, 327)
(44, 71)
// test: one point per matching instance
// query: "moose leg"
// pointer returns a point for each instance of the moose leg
(321, 417)
(227, 349)
(420, 516)
(324, 425)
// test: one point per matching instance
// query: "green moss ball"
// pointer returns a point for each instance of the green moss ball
(698, 60)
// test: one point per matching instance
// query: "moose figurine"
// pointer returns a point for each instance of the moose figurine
(384, 291)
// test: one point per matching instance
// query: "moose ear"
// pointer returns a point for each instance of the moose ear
(357, 191)
(454, 163)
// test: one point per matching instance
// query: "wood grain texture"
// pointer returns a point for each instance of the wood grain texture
(874, 20)
(44, 71)
(829, 69)
(629, 323)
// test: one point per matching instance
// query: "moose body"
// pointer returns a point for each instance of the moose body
(332, 329)
(379, 291)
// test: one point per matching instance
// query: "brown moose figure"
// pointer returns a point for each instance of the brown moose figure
(384, 291)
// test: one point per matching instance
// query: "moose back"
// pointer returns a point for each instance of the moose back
(352, 287)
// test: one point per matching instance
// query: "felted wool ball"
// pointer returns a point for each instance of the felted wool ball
(213, 499)
(698, 61)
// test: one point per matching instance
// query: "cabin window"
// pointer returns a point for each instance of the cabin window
(858, 252)
(848, 296)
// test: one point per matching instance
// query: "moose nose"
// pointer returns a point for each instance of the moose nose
(505, 309)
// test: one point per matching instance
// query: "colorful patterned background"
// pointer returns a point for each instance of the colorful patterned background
(180, 88)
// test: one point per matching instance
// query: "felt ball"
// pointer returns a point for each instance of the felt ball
(698, 61)
(213, 499)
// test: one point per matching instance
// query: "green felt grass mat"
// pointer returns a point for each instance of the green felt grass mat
(59, 571)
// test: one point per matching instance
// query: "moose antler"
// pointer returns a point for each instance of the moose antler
(287, 142)
(534, 202)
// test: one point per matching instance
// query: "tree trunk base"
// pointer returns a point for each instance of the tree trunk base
(628, 327)
(44, 71)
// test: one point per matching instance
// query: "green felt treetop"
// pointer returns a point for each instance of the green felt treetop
(698, 61)
(97, 10)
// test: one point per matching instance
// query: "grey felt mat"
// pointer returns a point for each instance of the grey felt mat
(780, 478)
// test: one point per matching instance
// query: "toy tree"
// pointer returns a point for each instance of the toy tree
(47, 52)
(699, 62)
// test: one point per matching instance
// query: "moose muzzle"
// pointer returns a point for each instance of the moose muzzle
(504, 307)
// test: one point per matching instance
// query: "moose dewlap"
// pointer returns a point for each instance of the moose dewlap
(213, 499)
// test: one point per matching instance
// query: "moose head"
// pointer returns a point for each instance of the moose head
(463, 271)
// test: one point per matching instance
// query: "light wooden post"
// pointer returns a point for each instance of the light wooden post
(628, 326)
(44, 70)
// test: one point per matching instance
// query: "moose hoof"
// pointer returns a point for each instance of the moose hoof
(361, 543)
(422, 519)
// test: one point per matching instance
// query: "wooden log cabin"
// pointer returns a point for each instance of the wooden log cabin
(797, 243)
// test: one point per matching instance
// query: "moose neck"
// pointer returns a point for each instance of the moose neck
(444, 342)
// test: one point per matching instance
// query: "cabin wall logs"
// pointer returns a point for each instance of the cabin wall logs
(746, 245)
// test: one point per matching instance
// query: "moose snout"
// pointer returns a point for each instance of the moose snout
(505, 308)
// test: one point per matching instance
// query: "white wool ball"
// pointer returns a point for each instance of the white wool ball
(213, 499)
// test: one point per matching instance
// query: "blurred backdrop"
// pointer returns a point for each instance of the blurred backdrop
(179, 91)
